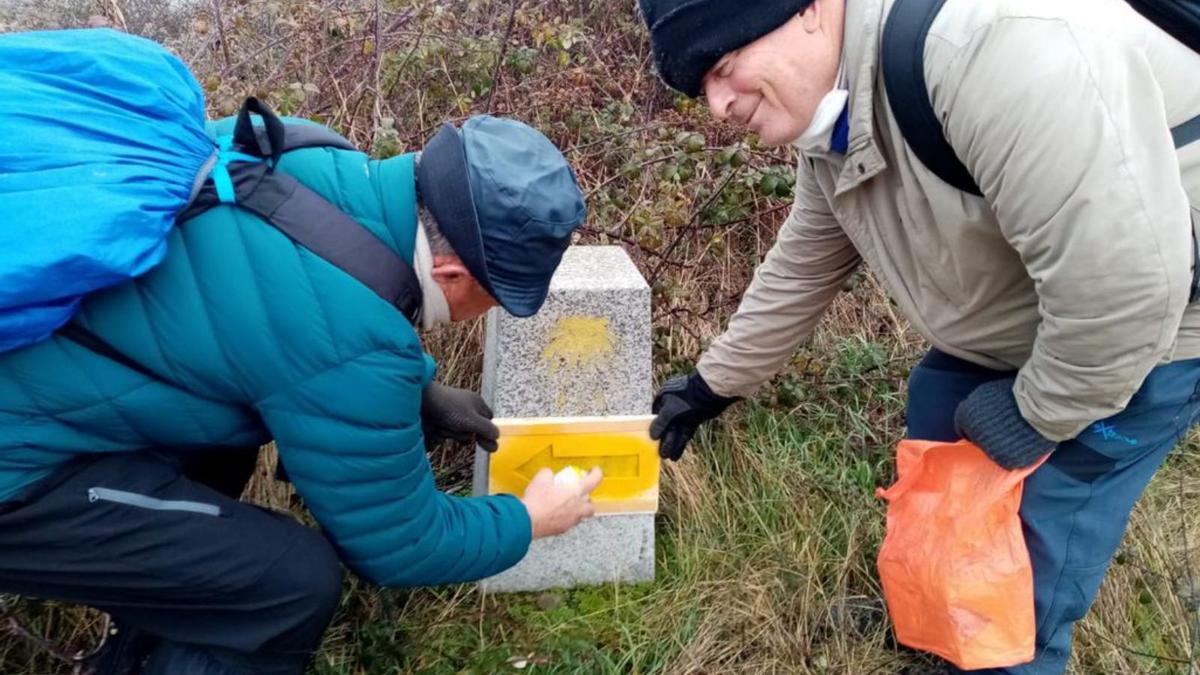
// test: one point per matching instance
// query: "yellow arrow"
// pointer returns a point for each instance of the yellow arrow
(557, 459)
(620, 446)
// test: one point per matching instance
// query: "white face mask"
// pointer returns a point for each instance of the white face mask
(817, 137)
(434, 308)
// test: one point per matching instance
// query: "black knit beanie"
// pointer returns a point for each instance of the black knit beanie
(690, 36)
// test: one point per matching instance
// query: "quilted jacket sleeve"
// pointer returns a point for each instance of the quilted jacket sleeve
(1072, 152)
(350, 438)
(803, 272)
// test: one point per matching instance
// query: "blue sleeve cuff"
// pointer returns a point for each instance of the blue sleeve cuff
(518, 531)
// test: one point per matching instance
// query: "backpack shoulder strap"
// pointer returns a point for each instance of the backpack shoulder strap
(75, 332)
(903, 65)
(902, 59)
(248, 179)
(1179, 18)
(300, 136)
(1187, 133)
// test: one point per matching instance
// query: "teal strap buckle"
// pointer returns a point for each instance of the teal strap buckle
(220, 170)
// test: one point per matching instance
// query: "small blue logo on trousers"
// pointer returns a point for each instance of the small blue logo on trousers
(1109, 433)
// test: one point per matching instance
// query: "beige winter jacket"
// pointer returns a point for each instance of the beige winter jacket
(1075, 266)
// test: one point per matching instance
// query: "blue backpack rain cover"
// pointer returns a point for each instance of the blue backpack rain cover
(103, 139)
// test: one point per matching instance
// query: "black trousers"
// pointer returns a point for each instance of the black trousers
(225, 587)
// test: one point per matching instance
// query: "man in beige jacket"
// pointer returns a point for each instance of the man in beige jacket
(1057, 301)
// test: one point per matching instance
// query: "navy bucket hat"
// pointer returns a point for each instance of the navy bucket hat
(690, 36)
(507, 201)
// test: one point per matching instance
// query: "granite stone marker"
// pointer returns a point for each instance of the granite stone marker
(585, 354)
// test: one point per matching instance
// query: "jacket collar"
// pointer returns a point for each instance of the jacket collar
(860, 49)
(395, 184)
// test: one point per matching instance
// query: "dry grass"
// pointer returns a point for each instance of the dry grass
(769, 529)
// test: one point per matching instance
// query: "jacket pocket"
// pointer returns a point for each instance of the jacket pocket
(102, 494)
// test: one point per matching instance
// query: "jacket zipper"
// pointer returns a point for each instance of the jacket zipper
(101, 494)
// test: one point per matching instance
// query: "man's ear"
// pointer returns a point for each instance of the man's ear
(449, 270)
(811, 17)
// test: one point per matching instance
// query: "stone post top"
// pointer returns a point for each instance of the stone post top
(594, 267)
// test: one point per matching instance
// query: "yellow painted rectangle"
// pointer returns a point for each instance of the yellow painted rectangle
(620, 446)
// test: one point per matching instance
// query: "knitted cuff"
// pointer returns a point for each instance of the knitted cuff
(990, 418)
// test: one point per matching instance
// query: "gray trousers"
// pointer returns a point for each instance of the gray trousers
(218, 586)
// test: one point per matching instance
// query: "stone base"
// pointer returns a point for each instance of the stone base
(606, 549)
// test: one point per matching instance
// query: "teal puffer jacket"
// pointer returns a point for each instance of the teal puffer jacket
(252, 338)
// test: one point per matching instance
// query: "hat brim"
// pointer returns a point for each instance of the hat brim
(521, 302)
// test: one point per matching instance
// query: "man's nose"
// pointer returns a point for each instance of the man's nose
(720, 98)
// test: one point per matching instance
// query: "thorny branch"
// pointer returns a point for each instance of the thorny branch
(221, 30)
(684, 231)
(376, 53)
(512, 17)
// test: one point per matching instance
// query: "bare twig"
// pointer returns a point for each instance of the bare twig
(683, 231)
(14, 628)
(757, 215)
(512, 17)
(221, 31)
(612, 137)
(320, 54)
(253, 55)
(377, 52)
(619, 175)
(631, 242)
(412, 52)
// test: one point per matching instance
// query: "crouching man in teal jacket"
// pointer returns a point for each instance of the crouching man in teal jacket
(122, 456)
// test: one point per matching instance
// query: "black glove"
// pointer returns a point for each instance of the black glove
(990, 418)
(458, 414)
(681, 406)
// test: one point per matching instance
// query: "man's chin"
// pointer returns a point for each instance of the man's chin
(776, 139)
(776, 135)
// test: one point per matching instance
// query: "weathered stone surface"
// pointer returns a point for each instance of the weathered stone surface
(586, 353)
(612, 548)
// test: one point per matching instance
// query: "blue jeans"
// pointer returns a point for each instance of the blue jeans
(1075, 507)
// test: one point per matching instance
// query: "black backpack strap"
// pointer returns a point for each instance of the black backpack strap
(96, 344)
(1179, 18)
(903, 64)
(300, 136)
(902, 59)
(311, 221)
(1188, 132)
(303, 215)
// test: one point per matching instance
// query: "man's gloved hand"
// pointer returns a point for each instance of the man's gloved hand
(681, 406)
(458, 414)
(990, 418)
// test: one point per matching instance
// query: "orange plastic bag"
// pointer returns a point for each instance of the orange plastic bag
(954, 566)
